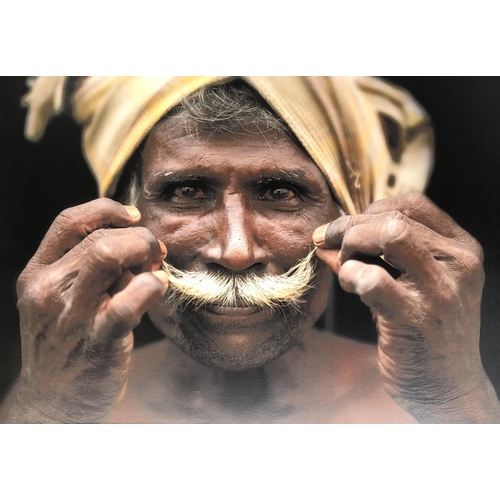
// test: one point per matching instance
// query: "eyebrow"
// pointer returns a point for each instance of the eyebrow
(281, 175)
(162, 179)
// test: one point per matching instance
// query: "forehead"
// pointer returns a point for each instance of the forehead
(171, 148)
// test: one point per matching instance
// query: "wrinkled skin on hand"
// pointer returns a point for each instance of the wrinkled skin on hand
(428, 319)
(76, 312)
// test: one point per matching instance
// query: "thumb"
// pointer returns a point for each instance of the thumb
(330, 257)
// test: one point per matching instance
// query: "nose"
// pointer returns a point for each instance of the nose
(234, 244)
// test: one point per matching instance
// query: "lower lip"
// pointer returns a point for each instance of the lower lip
(233, 311)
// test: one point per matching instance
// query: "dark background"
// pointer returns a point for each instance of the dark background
(39, 180)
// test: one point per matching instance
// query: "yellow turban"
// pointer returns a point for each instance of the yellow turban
(370, 139)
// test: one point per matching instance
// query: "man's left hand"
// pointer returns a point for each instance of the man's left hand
(428, 318)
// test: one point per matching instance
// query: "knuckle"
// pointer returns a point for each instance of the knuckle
(66, 214)
(352, 235)
(146, 235)
(477, 250)
(412, 199)
(97, 235)
(417, 198)
(394, 215)
(105, 205)
(470, 264)
(473, 260)
(397, 228)
(74, 218)
(66, 220)
(415, 201)
(339, 227)
(341, 223)
(22, 281)
(104, 252)
(70, 221)
(360, 278)
(25, 293)
(447, 292)
(38, 294)
(377, 206)
(370, 208)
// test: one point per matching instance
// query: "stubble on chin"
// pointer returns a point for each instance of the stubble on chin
(234, 347)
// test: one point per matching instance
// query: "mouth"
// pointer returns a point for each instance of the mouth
(233, 311)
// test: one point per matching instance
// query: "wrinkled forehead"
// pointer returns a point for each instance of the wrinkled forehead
(172, 148)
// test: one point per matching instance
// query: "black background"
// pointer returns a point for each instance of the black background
(39, 180)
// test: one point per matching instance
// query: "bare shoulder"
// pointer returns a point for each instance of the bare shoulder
(345, 372)
(341, 353)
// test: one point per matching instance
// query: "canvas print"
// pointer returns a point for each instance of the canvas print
(243, 249)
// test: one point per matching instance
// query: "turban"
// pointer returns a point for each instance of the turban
(370, 139)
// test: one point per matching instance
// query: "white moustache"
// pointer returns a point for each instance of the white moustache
(203, 288)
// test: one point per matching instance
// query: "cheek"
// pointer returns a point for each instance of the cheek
(183, 235)
(290, 234)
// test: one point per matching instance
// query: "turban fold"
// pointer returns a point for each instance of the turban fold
(369, 138)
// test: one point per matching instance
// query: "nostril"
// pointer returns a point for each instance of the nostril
(256, 268)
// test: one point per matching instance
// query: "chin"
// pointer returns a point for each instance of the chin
(237, 357)
(230, 340)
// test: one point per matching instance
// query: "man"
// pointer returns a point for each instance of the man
(241, 190)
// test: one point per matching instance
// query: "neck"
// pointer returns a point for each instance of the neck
(242, 392)
(324, 379)
(167, 380)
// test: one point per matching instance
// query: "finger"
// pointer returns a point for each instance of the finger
(397, 242)
(158, 248)
(426, 254)
(126, 278)
(375, 287)
(106, 260)
(74, 224)
(332, 234)
(330, 258)
(417, 207)
(121, 283)
(125, 310)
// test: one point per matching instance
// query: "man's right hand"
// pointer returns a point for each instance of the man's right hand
(89, 283)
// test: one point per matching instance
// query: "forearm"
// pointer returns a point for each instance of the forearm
(476, 406)
(34, 406)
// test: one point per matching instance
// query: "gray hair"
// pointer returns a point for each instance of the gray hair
(232, 108)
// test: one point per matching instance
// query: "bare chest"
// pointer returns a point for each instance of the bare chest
(317, 397)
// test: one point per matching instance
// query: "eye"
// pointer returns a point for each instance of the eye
(277, 194)
(189, 192)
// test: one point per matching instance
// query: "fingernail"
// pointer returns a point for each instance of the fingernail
(319, 234)
(162, 276)
(163, 248)
(132, 211)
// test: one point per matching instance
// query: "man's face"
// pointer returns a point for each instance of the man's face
(236, 203)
